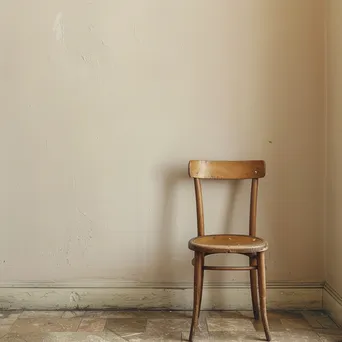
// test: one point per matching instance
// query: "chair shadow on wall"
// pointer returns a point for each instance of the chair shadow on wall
(173, 177)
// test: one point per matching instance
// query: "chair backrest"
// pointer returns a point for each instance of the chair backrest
(248, 169)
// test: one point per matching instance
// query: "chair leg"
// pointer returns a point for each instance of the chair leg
(197, 291)
(254, 287)
(201, 284)
(262, 293)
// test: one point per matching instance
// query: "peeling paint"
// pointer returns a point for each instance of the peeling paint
(74, 297)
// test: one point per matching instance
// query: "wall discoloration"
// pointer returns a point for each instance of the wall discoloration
(157, 86)
(74, 297)
(58, 27)
(217, 298)
(333, 231)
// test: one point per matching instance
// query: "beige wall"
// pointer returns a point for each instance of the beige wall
(104, 102)
(334, 134)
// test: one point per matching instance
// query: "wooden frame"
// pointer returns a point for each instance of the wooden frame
(249, 245)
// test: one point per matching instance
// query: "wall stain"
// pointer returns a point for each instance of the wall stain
(84, 214)
(74, 297)
(135, 34)
(58, 27)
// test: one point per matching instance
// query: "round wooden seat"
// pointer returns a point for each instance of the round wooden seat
(228, 244)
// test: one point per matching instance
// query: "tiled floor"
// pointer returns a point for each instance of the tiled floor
(134, 326)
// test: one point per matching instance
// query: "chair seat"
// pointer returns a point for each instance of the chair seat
(225, 243)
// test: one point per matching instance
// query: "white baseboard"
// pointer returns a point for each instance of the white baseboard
(174, 296)
(332, 302)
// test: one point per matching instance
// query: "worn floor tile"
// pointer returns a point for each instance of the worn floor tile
(274, 319)
(165, 337)
(295, 336)
(92, 324)
(302, 336)
(230, 324)
(126, 326)
(35, 325)
(71, 314)
(231, 314)
(135, 326)
(41, 314)
(337, 331)
(283, 314)
(235, 336)
(14, 338)
(64, 337)
(161, 314)
(159, 326)
(4, 329)
(201, 335)
(330, 335)
(274, 324)
(318, 319)
(327, 338)
(203, 315)
(247, 314)
(201, 332)
(228, 314)
(9, 317)
(108, 314)
(295, 323)
(136, 314)
(312, 318)
(109, 336)
(327, 323)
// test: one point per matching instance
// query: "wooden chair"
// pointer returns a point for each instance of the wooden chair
(248, 245)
